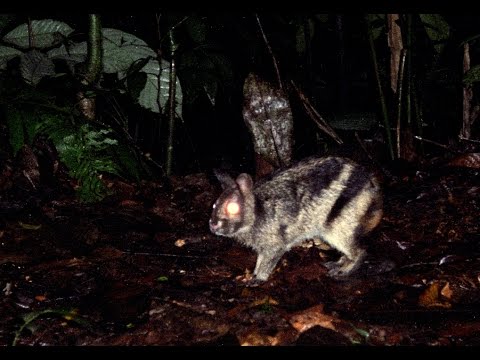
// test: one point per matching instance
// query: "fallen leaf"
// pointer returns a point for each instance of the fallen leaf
(180, 242)
(311, 317)
(431, 297)
(471, 160)
(446, 291)
(29, 226)
(128, 203)
(267, 300)
(256, 339)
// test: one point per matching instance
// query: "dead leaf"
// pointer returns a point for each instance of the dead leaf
(29, 226)
(311, 317)
(40, 298)
(471, 160)
(180, 242)
(129, 203)
(256, 339)
(314, 316)
(267, 300)
(446, 292)
(431, 297)
(15, 259)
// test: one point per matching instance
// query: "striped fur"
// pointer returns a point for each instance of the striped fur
(332, 198)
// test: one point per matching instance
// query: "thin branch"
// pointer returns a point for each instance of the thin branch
(362, 145)
(171, 95)
(399, 103)
(467, 96)
(31, 37)
(435, 143)
(173, 27)
(383, 103)
(275, 64)
(471, 140)
(315, 116)
(159, 59)
(163, 255)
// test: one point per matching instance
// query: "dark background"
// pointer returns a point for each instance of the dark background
(334, 69)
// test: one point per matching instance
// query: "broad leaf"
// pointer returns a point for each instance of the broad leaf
(34, 66)
(377, 25)
(46, 33)
(301, 41)
(208, 72)
(437, 29)
(76, 53)
(196, 29)
(121, 50)
(7, 53)
(148, 96)
(15, 129)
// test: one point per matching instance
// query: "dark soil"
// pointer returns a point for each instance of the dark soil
(142, 268)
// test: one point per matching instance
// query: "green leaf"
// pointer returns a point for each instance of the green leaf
(376, 23)
(73, 54)
(44, 32)
(354, 121)
(28, 319)
(121, 50)
(6, 54)
(127, 161)
(34, 66)
(323, 18)
(205, 72)
(472, 75)
(364, 333)
(300, 43)
(136, 83)
(437, 29)
(29, 226)
(16, 135)
(196, 29)
(469, 39)
(85, 151)
(91, 187)
(148, 96)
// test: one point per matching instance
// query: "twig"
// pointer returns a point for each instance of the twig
(164, 255)
(471, 140)
(383, 104)
(419, 264)
(31, 36)
(363, 146)
(171, 98)
(29, 179)
(435, 143)
(165, 37)
(467, 96)
(315, 116)
(399, 104)
(275, 64)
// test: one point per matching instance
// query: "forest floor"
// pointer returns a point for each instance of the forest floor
(142, 268)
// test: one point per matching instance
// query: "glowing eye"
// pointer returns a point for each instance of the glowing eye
(233, 208)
